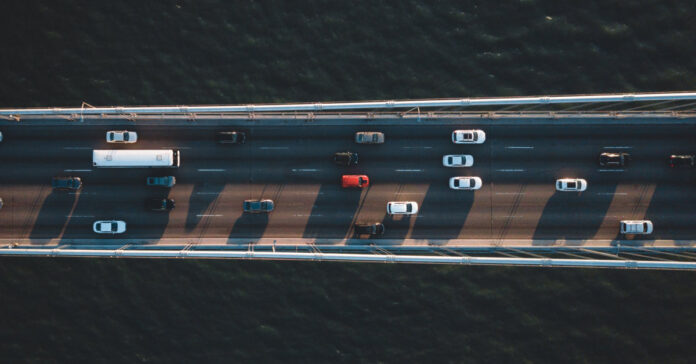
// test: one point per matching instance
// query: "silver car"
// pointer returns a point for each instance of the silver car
(109, 227)
(465, 183)
(402, 208)
(458, 160)
(475, 136)
(121, 136)
(369, 137)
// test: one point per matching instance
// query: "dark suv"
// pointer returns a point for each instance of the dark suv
(66, 183)
(375, 228)
(346, 158)
(681, 160)
(230, 137)
(257, 206)
(614, 159)
(159, 204)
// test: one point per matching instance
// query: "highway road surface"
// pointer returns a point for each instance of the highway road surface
(290, 163)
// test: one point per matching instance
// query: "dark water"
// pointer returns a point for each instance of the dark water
(60, 53)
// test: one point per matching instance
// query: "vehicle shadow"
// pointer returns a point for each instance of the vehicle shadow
(53, 217)
(431, 222)
(203, 198)
(327, 218)
(564, 218)
(249, 226)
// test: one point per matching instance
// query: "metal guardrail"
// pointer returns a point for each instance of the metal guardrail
(365, 105)
(633, 258)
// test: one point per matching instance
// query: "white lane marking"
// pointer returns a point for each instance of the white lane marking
(416, 147)
(210, 170)
(612, 193)
(510, 193)
(610, 170)
(77, 147)
(77, 170)
(619, 147)
(310, 215)
(208, 215)
(409, 170)
(510, 170)
(305, 170)
(274, 148)
(513, 147)
(79, 215)
(509, 216)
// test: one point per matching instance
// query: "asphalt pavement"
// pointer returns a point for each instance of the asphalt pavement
(291, 164)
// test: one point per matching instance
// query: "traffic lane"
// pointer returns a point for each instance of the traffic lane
(613, 130)
(194, 131)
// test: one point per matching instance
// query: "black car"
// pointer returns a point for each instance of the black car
(614, 159)
(231, 137)
(681, 160)
(257, 206)
(159, 204)
(66, 183)
(375, 228)
(346, 158)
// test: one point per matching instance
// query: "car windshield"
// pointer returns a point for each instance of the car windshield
(111, 136)
(475, 135)
(408, 207)
(450, 160)
(375, 137)
(112, 226)
(645, 226)
(125, 136)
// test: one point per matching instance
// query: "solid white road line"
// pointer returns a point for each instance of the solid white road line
(510, 170)
(619, 147)
(610, 170)
(305, 170)
(208, 215)
(210, 170)
(513, 147)
(409, 170)
(77, 170)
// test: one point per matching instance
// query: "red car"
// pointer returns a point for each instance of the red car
(354, 180)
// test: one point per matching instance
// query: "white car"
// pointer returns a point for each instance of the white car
(571, 185)
(468, 136)
(121, 136)
(465, 183)
(642, 227)
(457, 160)
(109, 227)
(402, 208)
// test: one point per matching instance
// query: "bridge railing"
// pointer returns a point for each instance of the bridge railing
(626, 257)
(638, 103)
